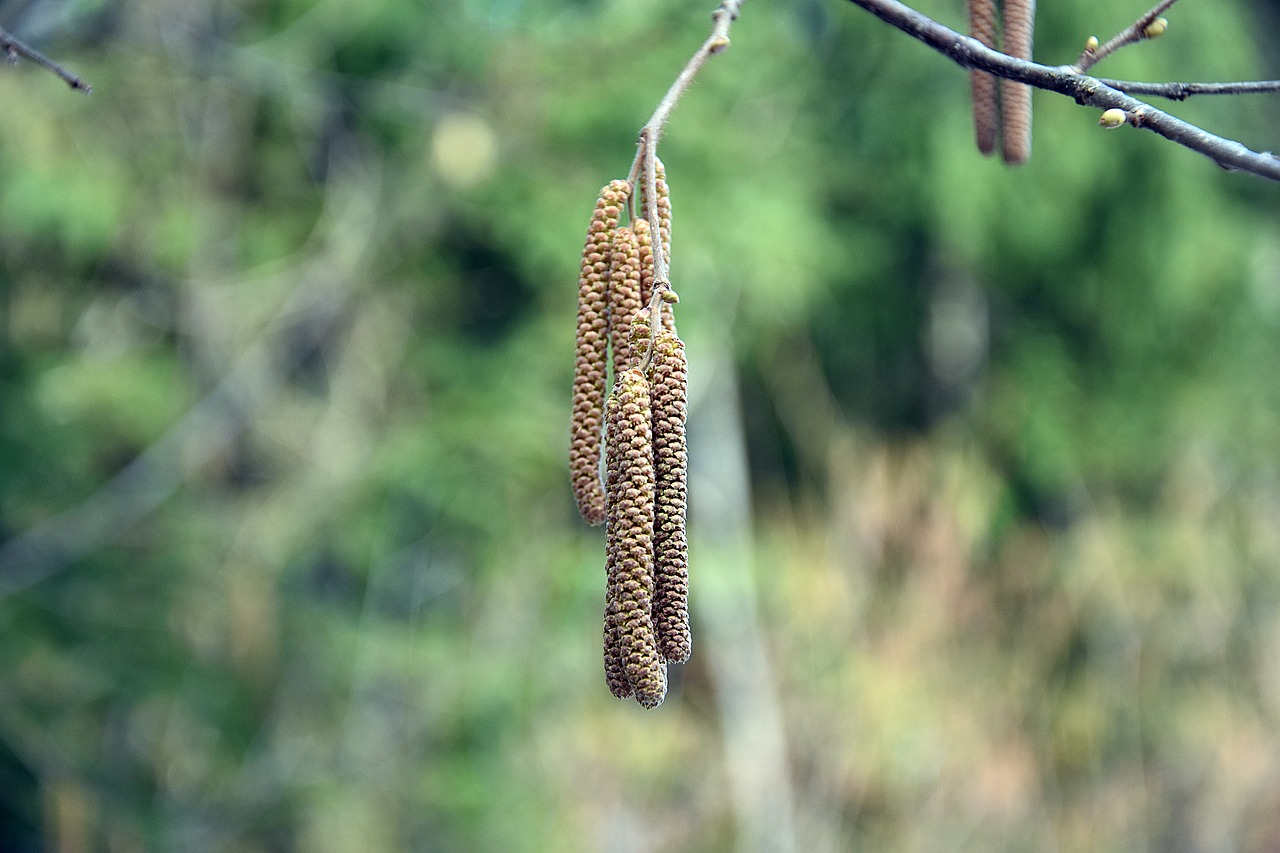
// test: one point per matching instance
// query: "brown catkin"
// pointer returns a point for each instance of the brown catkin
(624, 291)
(615, 669)
(590, 355)
(986, 113)
(664, 205)
(646, 260)
(1019, 24)
(668, 378)
(629, 535)
(646, 246)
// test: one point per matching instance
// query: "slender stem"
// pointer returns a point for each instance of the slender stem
(1136, 31)
(724, 15)
(1182, 91)
(15, 49)
(1066, 80)
(645, 162)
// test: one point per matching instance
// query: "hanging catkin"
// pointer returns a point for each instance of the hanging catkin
(1019, 24)
(664, 228)
(645, 246)
(643, 496)
(590, 355)
(625, 282)
(615, 667)
(629, 549)
(664, 205)
(669, 392)
(986, 112)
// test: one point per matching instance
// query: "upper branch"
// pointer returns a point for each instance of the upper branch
(724, 15)
(1137, 31)
(15, 49)
(1182, 91)
(646, 156)
(1065, 80)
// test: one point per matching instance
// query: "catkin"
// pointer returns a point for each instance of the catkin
(664, 205)
(629, 535)
(668, 379)
(646, 260)
(985, 87)
(625, 299)
(1019, 24)
(590, 356)
(615, 668)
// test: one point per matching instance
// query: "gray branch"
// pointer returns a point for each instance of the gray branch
(1182, 91)
(1085, 90)
(15, 50)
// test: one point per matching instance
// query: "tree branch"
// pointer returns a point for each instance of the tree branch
(1137, 31)
(646, 156)
(1182, 91)
(15, 50)
(1065, 80)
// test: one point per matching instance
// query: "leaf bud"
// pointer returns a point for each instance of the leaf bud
(1156, 28)
(1091, 43)
(1112, 118)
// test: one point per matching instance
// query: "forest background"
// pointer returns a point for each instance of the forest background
(985, 496)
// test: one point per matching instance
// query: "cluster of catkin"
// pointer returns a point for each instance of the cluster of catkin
(642, 495)
(1003, 107)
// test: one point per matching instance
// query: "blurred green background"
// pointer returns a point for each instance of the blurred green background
(985, 497)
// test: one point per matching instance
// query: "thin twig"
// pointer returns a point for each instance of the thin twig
(1182, 91)
(1137, 31)
(15, 50)
(647, 151)
(1065, 80)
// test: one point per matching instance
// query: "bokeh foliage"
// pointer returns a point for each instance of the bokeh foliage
(288, 556)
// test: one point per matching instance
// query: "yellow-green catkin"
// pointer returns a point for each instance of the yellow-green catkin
(629, 634)
(669, 399)
(1019, 26)
(591, 352)
(624, 291)
(985, 87)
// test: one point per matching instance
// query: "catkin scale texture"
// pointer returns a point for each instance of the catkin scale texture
(985, 87)
(669, 394)
(629, 535)
(591, 352)
(663, 196)
(625, 282)
(615, 669)
(1019, 25)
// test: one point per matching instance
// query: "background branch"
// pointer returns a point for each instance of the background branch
(1065, 80)
(15, 50)
(1182, 91)
(1137, 31)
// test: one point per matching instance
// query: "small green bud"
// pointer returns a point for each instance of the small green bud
(1091, 43)
(1112, 118)
(1156, 28)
